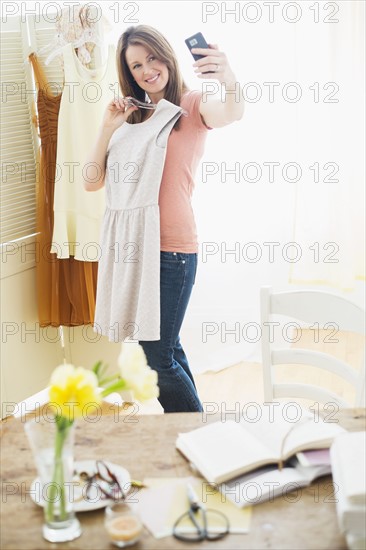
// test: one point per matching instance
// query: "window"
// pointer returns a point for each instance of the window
(18, 137)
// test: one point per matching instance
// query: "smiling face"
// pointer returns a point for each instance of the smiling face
(149, 73)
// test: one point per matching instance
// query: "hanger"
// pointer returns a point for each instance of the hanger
(147, 105)
(55, 47)
(79, 30)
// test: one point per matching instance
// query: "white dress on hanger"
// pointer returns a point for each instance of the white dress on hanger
(78, 213)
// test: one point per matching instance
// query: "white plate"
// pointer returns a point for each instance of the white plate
(95, 502)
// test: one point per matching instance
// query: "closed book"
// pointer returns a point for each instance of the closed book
(350, 452)
(351, 515)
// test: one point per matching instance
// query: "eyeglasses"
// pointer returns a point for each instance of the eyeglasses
(103, 480)
(207, 524)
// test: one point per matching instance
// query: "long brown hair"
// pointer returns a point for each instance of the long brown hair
(157, 44)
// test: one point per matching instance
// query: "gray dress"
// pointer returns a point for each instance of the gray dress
(128, 289)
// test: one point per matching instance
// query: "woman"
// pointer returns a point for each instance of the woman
(148, 71)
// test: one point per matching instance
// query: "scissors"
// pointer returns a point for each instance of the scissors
(208, 524)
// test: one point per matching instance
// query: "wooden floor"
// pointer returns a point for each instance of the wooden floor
(236, 386)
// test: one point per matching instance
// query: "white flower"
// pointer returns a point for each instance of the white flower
(146, 385)
(132, 357)
(135, 371)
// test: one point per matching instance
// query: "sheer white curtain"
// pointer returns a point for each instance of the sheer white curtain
(249, 219)
(331, 212)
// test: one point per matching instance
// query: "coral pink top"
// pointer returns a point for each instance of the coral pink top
(184, 150)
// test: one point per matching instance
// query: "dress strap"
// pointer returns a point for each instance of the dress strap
(38, 71)
(70, 71)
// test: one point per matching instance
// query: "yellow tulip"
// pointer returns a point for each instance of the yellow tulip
(72, 389)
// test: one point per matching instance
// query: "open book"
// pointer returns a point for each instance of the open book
(226, 450)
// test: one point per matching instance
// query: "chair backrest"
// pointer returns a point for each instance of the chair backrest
(323, 310)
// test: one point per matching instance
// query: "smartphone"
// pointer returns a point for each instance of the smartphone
(197, 41)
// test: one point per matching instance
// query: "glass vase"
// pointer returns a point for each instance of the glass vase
(52, 444)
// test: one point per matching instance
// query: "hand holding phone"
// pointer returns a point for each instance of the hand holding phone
(197, 41)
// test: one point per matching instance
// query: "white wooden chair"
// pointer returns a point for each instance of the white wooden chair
(310, 306)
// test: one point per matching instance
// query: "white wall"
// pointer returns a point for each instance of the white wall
(29, 353)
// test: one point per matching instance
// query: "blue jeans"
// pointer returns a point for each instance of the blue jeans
(177, 388)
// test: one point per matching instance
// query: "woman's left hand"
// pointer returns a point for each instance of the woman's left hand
(215, 61)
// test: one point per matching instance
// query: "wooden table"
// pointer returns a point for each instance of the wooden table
(145, 445)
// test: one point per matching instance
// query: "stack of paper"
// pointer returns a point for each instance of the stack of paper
(348, 456)
(164, 500)
(268, 483)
